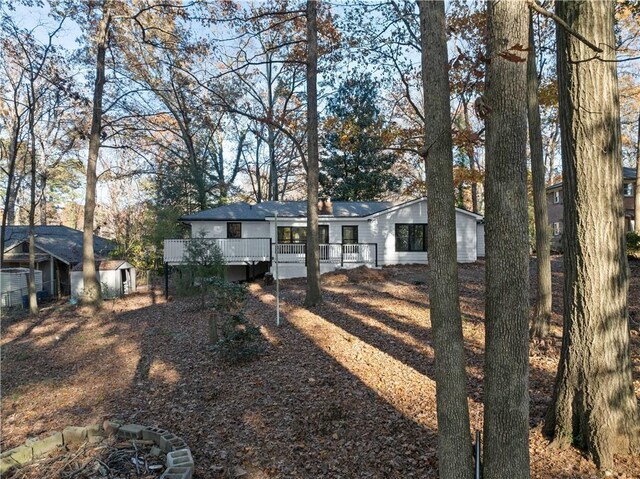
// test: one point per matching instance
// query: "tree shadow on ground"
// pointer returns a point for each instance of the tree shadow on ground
(332, 397)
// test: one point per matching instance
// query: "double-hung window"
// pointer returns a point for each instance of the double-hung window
(411, 237)
(350, 234)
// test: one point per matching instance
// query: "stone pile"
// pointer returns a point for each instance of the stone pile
(178, 458)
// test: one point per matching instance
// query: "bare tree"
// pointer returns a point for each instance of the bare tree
(314, 295)
(14, 114)
(542, 310)
(636, 195)
(594, 405)
(34, 61)
(506, 413)
(454, 441)
(92, 294)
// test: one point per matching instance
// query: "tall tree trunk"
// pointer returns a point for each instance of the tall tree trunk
(33, 299)
(506, 413)
(271, 134)
(636, 195)
(594, 404)
(314, 296)
(12, 198)
(551, 151)
(454, 441)
(542, 309)
(92, 294)
(471, 154)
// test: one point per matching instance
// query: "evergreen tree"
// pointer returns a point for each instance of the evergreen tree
(356, 167)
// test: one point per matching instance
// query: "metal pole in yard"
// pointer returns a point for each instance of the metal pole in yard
(277, 276)
(476, 453)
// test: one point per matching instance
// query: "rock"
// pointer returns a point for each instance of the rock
(74, 435)
(111, 427)
(47, 444)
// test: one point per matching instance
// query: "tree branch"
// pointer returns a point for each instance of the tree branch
(534, 5)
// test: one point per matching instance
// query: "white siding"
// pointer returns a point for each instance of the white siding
(480, 239)
(287, 271)
(466, 237)
(382, 229)
(218, 229)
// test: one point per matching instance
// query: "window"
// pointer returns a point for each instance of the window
(557, 228)
(298, 234)
(556, 197)
(628, 189)
(349, 234)
(234, 230)
(323, 233)
(411, 237)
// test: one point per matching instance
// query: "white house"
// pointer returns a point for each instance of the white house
(351, 234)
(116, 277)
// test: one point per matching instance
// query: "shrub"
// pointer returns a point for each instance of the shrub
(633, 243)
(241, 342)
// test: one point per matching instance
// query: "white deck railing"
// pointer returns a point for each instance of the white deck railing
(234, 250)
(334, 253)
(248, 250)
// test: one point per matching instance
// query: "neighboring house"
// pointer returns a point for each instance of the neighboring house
(351, 234)
(58, 250)
(116, 277)
(555, 200)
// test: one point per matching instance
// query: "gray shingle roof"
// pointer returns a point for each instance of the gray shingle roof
(107, 265)
(61, 241)
(260, 211)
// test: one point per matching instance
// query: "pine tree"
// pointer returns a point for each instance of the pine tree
(357, 167)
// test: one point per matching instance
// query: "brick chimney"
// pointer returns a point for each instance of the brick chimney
(325, 207)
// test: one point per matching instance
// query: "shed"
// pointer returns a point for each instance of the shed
(14, 285)
(117, 277)
(58, 250)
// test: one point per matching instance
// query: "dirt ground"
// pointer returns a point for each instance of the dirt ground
(344, 390)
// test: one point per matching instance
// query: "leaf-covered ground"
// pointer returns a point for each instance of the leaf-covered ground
(344, 390)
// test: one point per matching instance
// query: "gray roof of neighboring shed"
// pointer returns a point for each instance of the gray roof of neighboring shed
(109, 265)
(60, 241)
(245, 212)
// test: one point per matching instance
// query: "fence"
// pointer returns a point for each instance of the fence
(16, 297)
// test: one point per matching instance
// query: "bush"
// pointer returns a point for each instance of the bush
(241, 342)
(633, 243)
